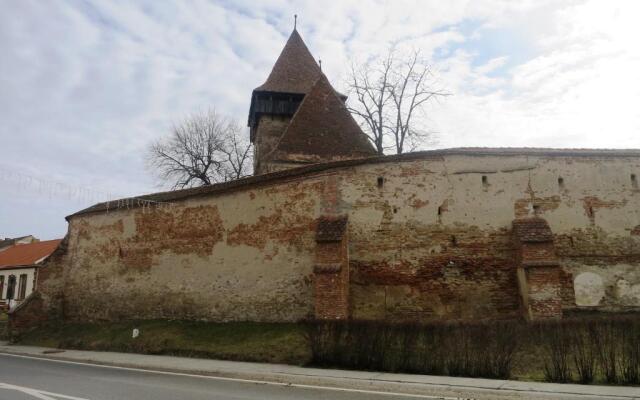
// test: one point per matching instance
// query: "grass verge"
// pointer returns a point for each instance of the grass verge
(3, 325)
(587, 350)
(239, 341)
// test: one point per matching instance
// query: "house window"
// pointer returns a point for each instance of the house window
(1, 287)
(22, 287)
(11, 287)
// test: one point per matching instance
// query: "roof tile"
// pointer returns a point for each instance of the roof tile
(323, 129)
(534, 229)
(295, 71)
(27, 254)
(331, 229)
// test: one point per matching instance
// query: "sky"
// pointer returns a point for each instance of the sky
(85, 86)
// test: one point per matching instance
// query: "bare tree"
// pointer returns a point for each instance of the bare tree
(388, 93)
(203, 149)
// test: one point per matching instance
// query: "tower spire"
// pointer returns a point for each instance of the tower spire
(295, 21)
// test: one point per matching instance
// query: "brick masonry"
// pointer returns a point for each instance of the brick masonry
(538, 269)
(429, 237)
(269, 131)
(331, 271)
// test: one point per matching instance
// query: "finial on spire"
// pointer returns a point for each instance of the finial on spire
(320, 62)
(295, 21)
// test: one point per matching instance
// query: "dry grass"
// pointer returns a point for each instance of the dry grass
(581, 350)
(242, 341)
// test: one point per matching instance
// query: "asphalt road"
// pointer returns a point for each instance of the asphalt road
(29, 378)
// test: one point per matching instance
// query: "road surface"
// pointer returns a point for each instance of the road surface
(27, 376)
(23, 378)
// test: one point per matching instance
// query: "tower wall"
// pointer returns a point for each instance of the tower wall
(267, 133)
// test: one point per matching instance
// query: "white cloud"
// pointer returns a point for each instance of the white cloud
(84, 86)
(579, 90)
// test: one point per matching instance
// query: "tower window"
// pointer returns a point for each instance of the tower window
(634, 181)
(380, 181)
(561, 182)
(485, 180)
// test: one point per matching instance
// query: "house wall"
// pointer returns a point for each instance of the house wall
(8, 242)
(30, 272)
(429, 238)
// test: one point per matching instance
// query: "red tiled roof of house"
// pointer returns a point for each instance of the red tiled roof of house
(27, 254)
(323, 127)
(11, 241)
(295, 71)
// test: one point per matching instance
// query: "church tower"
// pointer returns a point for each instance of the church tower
(297, 118)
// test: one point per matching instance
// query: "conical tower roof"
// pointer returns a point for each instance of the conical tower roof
(322, 127)
(295, 71)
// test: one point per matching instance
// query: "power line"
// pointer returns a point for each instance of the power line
(80, 193)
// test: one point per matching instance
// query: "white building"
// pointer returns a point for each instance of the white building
(19, 270)
(9, 242)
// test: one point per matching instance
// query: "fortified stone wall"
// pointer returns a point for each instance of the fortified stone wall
(429, 237)
(246, 255)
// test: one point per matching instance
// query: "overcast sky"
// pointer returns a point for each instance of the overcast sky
(86, 85)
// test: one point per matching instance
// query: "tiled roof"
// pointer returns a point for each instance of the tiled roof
(273, 177)
(10, 241)
(323, 127)
(27, 254)
(331, 229)
(533, 229)
(295, 71)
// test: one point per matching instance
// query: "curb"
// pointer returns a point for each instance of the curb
(397, 384)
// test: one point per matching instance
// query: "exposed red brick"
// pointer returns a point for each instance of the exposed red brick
(592, 204)
(539, 269)
(331, 273)
(277, 227)
(419, 203)
(535, 205)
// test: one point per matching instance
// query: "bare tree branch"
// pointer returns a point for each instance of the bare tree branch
(387, 94)
(203, 149)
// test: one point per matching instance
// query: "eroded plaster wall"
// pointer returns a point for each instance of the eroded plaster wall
(434, 239)
(243, 256)
(429, 238)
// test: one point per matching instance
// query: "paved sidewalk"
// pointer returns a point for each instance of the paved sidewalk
(358, 380)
